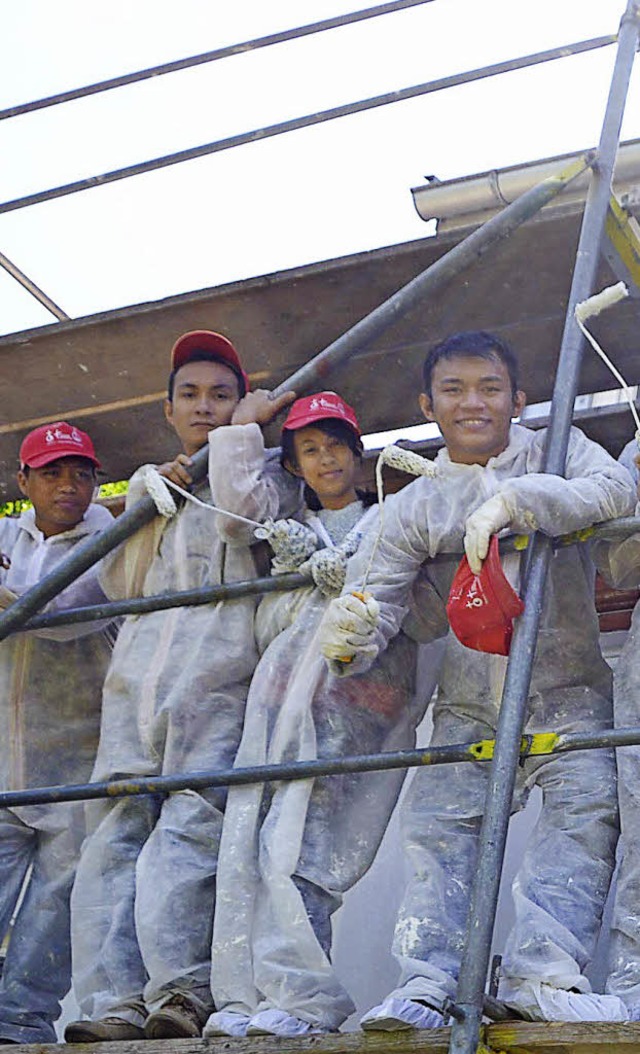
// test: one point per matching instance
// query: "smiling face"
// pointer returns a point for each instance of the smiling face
(472, 403)
(60, 492)
(327, 464)
(205, 394)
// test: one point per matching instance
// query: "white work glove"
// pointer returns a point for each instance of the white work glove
(328, 567)
(490, 518)
(292, 543)
(347, 631)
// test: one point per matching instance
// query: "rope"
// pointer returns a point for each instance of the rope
(157, 488)
(405, 461)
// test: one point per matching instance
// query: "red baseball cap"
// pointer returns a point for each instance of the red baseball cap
(481, 608)
(50, 442)
(319, 407)
(214, 344)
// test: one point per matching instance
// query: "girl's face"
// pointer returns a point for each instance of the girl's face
(327, 465)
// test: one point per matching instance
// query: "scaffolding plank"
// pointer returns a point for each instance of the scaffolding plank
(510, 1037)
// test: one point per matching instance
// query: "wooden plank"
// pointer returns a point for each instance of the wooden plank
(510, 1037)
(524, 1037)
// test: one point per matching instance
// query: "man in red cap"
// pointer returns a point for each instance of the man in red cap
(174, 702)
(50, 694)
(488, 478)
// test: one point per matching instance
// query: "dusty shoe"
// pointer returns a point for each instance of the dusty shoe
(537, 1001)
(396, 1013)
(104, 1030)
(176, 1019)
(274, 1022)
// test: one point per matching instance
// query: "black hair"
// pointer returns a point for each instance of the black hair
(331, 426)
(206, 356)
(472, 344)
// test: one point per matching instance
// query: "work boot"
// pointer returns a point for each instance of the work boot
(104, 1030)
(176, 1019)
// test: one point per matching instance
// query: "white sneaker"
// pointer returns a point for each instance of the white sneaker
(226, 1023)
(396, 1013)
(273, 1022)
(537, 1001)
(634, 1012)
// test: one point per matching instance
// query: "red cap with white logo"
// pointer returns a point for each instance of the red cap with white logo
(50, 442)
(319, 407)
(209, 343)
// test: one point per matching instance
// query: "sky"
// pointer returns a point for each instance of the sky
(327, 191)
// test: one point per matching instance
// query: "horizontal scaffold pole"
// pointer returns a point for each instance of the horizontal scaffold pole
(297, 123)
(542, 743)
(433, 278)
(615, 529)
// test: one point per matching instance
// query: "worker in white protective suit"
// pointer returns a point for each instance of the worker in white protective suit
(619, 563)
(488, 479)
(174, 698)
(290, 850)
(50, 695)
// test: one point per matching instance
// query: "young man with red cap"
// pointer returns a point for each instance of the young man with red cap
(174, 701)
(50, 694)
(489, 478)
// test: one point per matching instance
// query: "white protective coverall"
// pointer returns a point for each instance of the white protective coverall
(619, 562)
(50, 695)
(290, 850)
(174, 698)
(562, 884)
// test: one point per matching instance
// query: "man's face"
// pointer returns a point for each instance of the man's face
(472, 404)
(205, 395)
(60, 492)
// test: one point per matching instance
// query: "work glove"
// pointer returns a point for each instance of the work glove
(328, 566)
(347, 632)
(490, 518)
(292, 543)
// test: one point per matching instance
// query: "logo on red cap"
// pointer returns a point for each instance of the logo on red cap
(50, 442)
(320, 407)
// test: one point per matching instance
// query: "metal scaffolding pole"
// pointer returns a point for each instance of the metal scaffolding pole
(462, 255)
(465, 1033)
(541, 744)
(284, 36)
(621, 528)
(307, 121)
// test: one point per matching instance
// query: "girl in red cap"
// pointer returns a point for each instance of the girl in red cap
(290, 851)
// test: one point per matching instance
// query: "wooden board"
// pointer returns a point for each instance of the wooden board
(517, 1037)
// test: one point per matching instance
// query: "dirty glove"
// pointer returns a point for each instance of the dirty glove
(347, 630)
(490, 518)
(328, 567)
(292, 543)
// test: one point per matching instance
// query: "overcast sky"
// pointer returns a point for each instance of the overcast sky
(325, 191)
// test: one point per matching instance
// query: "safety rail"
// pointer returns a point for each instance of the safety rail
(481, 750)
(613, 529)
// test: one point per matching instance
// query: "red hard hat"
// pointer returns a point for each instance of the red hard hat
(481, 608)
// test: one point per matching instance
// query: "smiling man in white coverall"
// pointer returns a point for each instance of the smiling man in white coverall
(489, 478)
(619, 562)
(50, 694)
(174, 698)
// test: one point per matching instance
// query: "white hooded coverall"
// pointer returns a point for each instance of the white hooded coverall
(174, 698)
(50, 695)
(619, 562)
(290, 850)
(562, 884)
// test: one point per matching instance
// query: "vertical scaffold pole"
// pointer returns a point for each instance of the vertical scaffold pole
(465, 1033)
